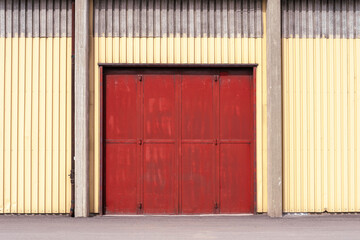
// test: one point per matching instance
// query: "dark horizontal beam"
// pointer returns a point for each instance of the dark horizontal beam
(162, 65)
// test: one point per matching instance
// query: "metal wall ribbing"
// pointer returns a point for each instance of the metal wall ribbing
(35, 106)
(321, 106)
(178, 18)
(320, 19)
(38, 18)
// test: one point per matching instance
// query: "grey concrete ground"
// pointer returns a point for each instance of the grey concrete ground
(181, 227)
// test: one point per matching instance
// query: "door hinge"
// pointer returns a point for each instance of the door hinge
(72, 176)
(140, 141)
(139, 78)
(140, 206)
(216, 78)
(216, 206)
(216, 142)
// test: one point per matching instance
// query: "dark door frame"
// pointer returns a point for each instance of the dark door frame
(106, 68)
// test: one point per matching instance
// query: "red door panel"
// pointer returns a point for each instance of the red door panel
(236, 117)
(198, 162)
(198, 181)
(236, 194)
(160, 178)
(120, 144)
(197, 107)
(121, 178)
(120, 99)
(236, 135)
(159, 107)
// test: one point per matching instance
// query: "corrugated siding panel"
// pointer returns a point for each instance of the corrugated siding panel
(35, 106)
(321, 125)
(321, 19)
(35, 18)
(321, 105)
(178, 18)
(35, 125)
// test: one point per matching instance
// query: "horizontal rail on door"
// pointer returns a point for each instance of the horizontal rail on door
(235, 141)
(212, 141)
(161, 141)
(123, 141)
(198, 141)
(135, 141)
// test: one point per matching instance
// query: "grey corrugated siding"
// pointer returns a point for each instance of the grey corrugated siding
(35, 18)
(321, 18)
(178, 18)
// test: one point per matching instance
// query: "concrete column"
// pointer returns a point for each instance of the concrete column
(81, 108)
(274, 107)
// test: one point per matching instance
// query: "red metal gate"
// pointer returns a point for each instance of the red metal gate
(178, 141)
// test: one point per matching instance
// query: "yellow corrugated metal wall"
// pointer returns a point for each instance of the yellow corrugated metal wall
(321, 106)
(35, 107)
(321, 119)
(35, 125)
(173, 49)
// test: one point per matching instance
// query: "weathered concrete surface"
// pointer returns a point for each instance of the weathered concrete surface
(274, 107)
(180, 227)
(82, 108)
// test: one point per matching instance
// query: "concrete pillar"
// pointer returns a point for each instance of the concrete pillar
(274, 107)
(81, 108)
